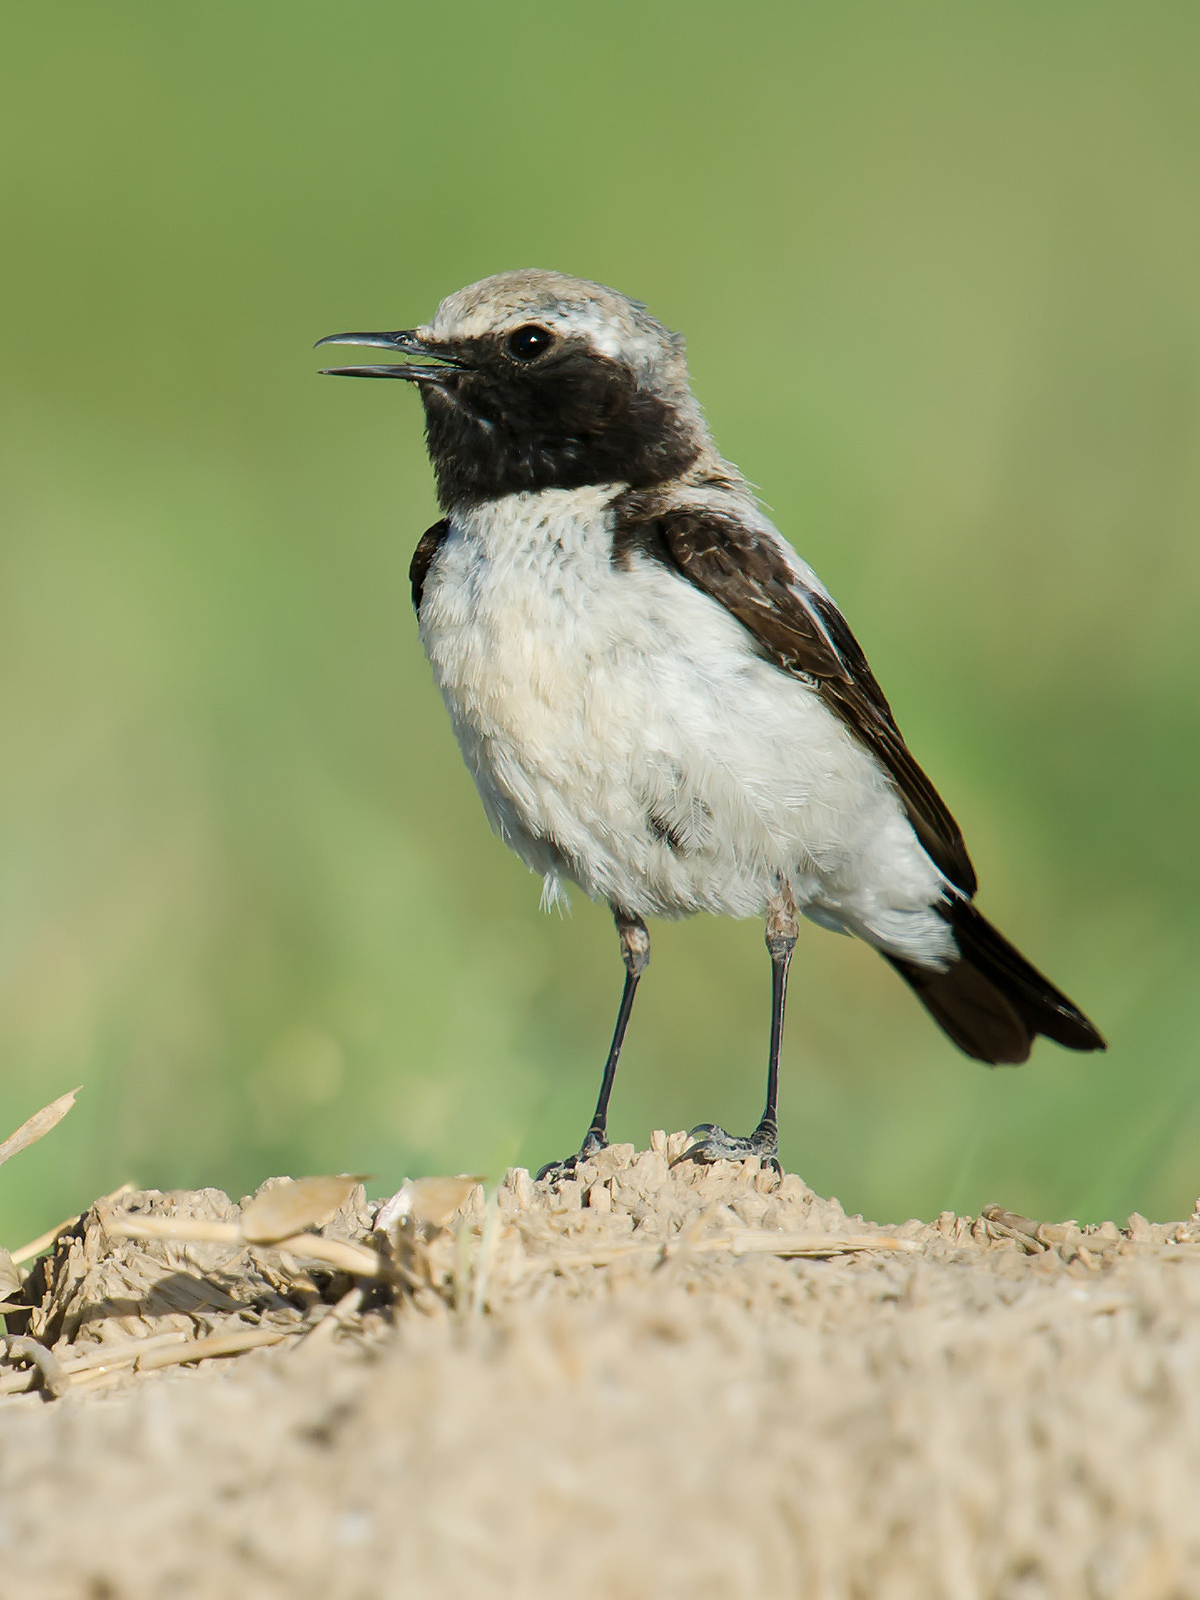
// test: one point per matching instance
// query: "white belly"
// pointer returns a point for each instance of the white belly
(623, 732)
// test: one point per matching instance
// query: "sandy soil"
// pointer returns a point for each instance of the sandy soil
(655, 1382)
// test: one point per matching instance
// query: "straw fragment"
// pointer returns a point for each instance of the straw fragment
(127, 1226)
(127, 1353)
(334, 1317)
(104, 1360)
(10, 1278)
(356, 1259)
(54, 1380)
(217, 1344)
(37, 1126)
(289, 1208)
(430, 1202)
(738, 1242)
(752, 1242)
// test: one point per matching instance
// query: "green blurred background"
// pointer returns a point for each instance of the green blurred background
(939, 269)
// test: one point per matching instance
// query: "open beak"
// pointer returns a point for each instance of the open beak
(406, 342)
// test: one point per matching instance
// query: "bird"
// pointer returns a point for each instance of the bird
(657, 698)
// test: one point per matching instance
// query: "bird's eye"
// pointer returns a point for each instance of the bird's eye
(529, 342)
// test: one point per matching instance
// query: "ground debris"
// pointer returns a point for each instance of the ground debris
(554, 1373)
(99, 1287)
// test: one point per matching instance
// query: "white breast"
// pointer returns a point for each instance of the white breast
(623, 732)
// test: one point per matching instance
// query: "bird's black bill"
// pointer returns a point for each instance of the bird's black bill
(410, 370)
(403, 340)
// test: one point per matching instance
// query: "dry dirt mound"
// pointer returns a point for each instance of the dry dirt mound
(654, 1382)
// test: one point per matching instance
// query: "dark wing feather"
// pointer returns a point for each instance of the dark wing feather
(992, 1002)
(802, 631)
(428, 546)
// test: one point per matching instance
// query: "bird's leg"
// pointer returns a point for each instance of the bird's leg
(635, 952)
(711, 1143)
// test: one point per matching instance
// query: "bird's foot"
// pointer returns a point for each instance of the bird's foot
(711, 1143)
(556, 1170)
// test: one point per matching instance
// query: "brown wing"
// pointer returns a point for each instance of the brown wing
(803, 632)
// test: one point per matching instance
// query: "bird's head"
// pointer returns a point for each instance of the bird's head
(536, 380)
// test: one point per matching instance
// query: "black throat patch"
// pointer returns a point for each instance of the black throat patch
(576, 418)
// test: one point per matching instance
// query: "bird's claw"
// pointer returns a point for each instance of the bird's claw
(556, 1171)
(712, 1143)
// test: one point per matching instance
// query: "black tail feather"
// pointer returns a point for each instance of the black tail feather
(992, 1002)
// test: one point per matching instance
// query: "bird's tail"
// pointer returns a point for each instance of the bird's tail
(991, 1002)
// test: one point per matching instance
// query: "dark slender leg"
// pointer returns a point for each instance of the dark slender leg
(635, 952)
(780, 942)
(712, 1143)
